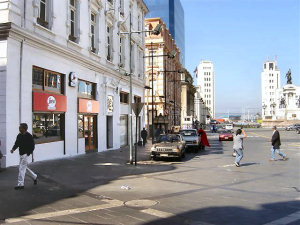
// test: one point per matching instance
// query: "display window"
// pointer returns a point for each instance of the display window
(48, 127)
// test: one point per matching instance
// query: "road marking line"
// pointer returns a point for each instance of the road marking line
(286, 220)
(111, 204)
(157, 213)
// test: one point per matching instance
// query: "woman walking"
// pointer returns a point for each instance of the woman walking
(238, 145)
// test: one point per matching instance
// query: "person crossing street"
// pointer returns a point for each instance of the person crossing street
(275, 140)
(26, 145)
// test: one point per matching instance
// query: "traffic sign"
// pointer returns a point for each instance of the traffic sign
(137, 107)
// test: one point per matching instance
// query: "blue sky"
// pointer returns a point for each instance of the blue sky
(238, 36)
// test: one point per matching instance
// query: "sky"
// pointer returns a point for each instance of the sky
(238, 36)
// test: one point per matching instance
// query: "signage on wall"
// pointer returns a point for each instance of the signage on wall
(51, 101)
(73, 79)
(45, 102)
(110, 104)
(88, 106)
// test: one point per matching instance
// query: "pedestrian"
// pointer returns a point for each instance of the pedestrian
(238, 145)
(144, 135)
(25, 143)
(203, 139)
(276, 145)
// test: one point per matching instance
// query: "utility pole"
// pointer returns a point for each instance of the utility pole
(152, 115)
(130, 96)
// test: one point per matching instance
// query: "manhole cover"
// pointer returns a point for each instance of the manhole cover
(140, 203)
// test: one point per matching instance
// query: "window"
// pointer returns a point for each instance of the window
(80, 126)
(110, 1)
(138, 21)
(47, 127)
(124, 97)
(44, 15)
(74, 21)
(86, 89)
(271, 65)
(109, 43)
(46, 80)
(93, 27)
(122, 53)
(137, 99)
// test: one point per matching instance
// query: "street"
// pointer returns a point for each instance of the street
(204, 188)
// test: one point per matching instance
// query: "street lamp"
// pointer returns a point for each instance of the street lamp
(156, 31)
(264, 106)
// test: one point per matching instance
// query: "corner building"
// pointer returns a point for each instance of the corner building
(60, 64)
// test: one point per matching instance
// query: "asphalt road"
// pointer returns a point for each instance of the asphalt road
(205, 188)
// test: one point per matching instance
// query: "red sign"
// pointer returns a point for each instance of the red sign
(88, 106)
(45, 102)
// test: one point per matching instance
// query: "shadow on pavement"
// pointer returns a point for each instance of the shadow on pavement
(66, 178)
(231, 215)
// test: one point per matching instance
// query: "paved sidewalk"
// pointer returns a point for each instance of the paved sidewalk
(68, 177)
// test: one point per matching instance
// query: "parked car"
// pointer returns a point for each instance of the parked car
(292, 127)
(169, 145)
(298, 130)
(226, 135)
(190, 136)
(229, 126)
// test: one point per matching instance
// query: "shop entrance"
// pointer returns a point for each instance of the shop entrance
(109, 131)
(90, 132)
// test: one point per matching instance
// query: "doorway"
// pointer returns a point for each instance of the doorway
(90, 132)
(109, 131)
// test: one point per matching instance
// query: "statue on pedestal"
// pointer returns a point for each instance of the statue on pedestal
(289, 77)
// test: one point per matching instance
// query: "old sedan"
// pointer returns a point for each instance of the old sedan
(169, 145)
(226, 135)
(190, 136)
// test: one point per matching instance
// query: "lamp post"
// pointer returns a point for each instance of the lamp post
(264, 106)
(171, 56)
(156, 31)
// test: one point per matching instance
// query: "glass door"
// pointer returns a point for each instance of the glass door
(90, 132)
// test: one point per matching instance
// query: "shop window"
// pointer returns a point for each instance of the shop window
(46, 80)
(124, 97)
(80, 126)
(86, 89)
(47, 127)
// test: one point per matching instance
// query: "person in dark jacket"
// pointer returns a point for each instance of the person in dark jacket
(276, 145)
(25, 143)
(144, 135)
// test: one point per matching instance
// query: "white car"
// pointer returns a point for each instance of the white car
(190, 136)
(228, 126)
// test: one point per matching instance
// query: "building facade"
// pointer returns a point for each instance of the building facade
(270, 82)
(162, 76)
(188, 113)
(280, 104)
(59, 70)
(206, 87)
(172, 14)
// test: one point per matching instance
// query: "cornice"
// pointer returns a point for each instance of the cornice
(33, 40)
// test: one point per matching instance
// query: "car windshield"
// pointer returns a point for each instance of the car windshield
(188, 132)
(168, 138)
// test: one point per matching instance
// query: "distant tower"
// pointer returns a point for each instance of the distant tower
(206, 81)
(270, 81)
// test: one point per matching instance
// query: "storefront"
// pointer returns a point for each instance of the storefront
(88, 110)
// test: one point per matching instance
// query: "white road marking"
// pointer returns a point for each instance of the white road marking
(229, 165)
(111, 204)
(158, 213)
(286, 220)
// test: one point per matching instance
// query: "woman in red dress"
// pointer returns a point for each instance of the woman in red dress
(203, 139)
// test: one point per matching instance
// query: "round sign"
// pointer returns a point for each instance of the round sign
(51, 101)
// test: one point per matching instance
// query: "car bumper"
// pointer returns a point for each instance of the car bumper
(226, 138)
(165, 154)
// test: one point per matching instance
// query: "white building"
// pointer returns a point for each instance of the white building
(278, 104)
(59, 64)
(270, 81)
(206, 83)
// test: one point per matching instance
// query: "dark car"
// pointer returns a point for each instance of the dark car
(226, 135)
(293, 127)
(169, 145)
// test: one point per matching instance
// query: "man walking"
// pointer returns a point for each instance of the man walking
(276, 145)
(144, 135)
(238, 145)
(25, 143)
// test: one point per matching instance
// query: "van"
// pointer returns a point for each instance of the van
(228, 127)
